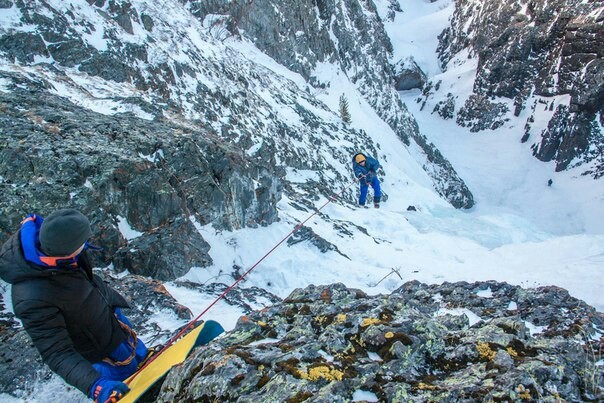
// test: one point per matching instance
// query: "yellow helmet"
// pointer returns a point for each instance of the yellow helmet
(359, 158)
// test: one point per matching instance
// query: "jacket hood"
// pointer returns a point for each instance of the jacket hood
(21, 258)
(13, 266)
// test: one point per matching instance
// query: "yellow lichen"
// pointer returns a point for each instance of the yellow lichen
(340, 318)
(523, 392)
(324, 372)
(485, 351)
(356, 338)
(261, 323)
(370, 321)
(512, 352)
(425, 386)
(389, 335)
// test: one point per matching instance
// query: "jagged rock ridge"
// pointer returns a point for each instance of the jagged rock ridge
(540, 54)
(324, 343)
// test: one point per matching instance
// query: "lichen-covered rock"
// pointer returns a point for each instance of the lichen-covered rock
(324, 343)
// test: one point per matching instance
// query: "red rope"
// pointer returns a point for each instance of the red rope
(190, 324)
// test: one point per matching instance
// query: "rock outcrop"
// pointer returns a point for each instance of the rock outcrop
(481, 342)
(146, 185)
(408, 75)
(529, 51)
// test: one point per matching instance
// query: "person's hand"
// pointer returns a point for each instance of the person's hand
(107, 391)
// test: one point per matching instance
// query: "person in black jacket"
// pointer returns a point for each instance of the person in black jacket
(71, 315)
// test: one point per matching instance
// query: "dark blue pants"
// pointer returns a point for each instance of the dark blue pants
(121, 353)
(119, 373)
(377, 192)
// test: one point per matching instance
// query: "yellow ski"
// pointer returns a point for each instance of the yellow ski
(141, 381)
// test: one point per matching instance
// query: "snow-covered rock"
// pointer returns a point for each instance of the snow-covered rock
(531, 51)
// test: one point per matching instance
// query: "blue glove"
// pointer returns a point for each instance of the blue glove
(107, 391)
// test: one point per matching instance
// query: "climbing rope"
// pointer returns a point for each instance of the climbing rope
(191, 323)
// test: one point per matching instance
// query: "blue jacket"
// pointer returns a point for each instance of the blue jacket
(370, 168)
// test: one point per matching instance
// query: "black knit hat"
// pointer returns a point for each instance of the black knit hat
(63, 232)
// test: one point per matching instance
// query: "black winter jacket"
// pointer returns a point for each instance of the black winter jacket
(67, 312)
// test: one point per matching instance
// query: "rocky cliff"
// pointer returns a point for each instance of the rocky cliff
(546, 56)
(451, 342)
(146, 185)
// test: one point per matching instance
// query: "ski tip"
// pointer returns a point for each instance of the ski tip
(211, 330)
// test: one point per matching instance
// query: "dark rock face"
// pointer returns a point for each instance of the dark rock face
(408, 75)
(325, 343)
(160, 179)
(446, 109)
(306, 234)
(23, 47)
(539, 49)
(569, 135)
(167, 254)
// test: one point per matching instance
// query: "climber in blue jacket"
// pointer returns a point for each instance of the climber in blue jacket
(365, 169)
